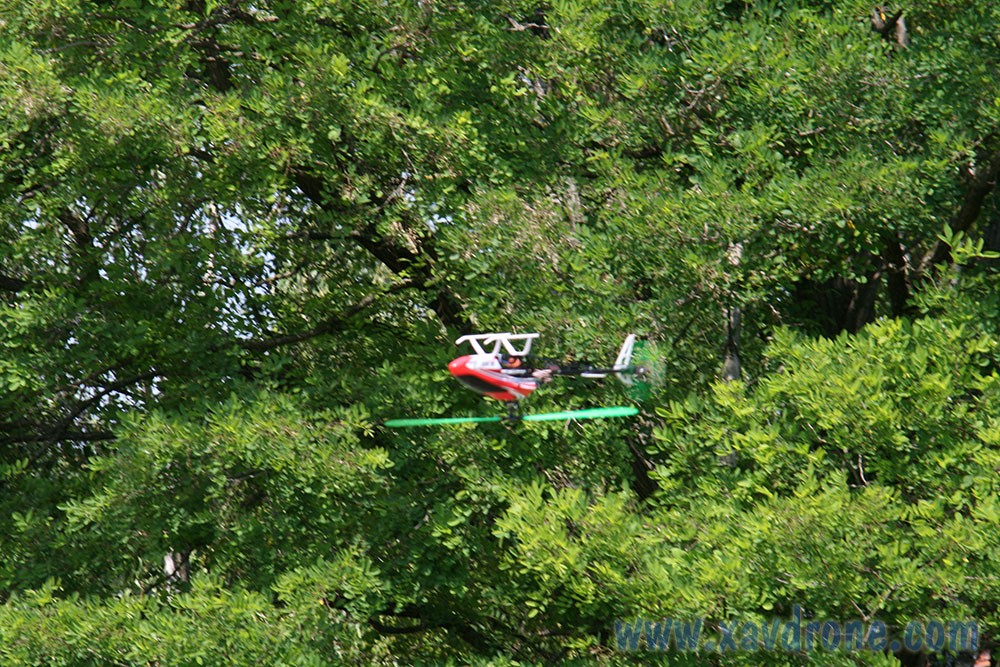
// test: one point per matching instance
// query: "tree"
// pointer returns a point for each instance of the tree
(234, 237)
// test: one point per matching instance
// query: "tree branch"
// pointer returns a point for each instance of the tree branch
(397, 257)
(59, 430)
(10, 283)
(981, 185)
(106, 389)
(330, 325)
(395, 630)
(896, 275)
(47, 437)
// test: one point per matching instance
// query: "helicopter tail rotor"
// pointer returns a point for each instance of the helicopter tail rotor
(623, 364)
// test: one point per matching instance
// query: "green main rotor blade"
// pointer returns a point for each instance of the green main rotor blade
(592, 413)
(431, 421)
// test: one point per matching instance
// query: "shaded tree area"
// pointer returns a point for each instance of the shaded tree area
(235, 237)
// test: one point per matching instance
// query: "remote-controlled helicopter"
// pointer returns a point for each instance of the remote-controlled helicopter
(500, 368)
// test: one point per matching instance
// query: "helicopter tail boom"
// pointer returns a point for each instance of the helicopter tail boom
(622, 368)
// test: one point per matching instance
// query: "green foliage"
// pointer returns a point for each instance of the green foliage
(859, 473)
(248, 494)
(211, 624)
(236, 237)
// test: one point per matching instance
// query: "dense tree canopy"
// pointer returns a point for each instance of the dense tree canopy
(235, 237)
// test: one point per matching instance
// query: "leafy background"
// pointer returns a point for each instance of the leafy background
(235, 237)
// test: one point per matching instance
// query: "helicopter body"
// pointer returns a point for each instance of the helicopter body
(500, 368)
(485, 374)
